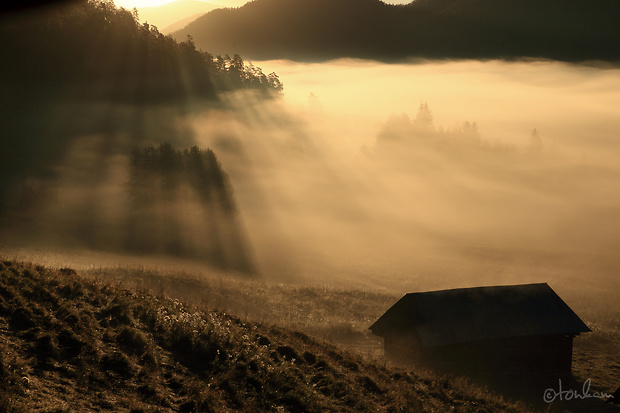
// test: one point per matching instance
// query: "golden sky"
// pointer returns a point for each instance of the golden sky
(130, 4)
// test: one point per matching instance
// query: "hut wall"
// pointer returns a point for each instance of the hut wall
(406, 349)
(534, 357)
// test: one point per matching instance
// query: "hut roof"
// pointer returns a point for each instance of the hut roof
(480, 313)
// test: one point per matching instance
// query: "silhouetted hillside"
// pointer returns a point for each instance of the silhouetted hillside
(92, 49)
(323, 29)
(84, 83)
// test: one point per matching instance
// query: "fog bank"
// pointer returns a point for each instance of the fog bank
(363, 175)
(324, 198)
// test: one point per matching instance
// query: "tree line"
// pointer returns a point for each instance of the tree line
(567, 30)
(401, 132)
(163, 169)
(93, 48)
(93, 55)
(83, 83)
(181, 203)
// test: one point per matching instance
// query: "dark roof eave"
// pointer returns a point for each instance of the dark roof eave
(444, 317)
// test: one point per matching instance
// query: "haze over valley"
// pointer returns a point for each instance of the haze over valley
(509, 177)
(393, 198)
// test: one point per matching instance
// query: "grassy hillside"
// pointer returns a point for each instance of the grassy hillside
(69, 344)
(342, 316)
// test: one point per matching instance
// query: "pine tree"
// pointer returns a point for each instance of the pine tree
(424, 117)
(536, 143)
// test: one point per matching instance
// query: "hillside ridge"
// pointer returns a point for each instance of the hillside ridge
(317, 30)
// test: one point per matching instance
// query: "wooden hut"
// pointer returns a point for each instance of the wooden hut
(500, 331)
(615, 397)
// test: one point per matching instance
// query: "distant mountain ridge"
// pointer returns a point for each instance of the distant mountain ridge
(311, 30)
(170, 13)
(180, 24)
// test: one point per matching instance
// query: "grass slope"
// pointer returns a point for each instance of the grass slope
(71, 344)
(329, 312)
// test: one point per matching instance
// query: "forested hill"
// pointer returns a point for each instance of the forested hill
(568, 30)
(91, 51)
(94, 138)
(94, 49)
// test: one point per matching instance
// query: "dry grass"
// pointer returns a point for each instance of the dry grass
(71, 344)
(342, 316)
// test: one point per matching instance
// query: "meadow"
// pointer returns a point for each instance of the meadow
(338, 318)
(70, 343)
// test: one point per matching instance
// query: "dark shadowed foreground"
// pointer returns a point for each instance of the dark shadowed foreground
(75, 345)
